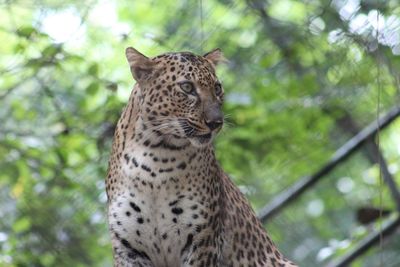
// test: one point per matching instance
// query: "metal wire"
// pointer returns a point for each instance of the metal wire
(201, 26)
(378, 107)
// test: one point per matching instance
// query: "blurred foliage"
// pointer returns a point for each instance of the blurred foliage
(302, 78)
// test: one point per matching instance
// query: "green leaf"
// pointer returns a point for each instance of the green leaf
(93, 88)
(26, 31)
(51, 50)
(93, 69)
(21, 225)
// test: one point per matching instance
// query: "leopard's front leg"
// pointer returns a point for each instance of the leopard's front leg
(205, 251)
(127, 256)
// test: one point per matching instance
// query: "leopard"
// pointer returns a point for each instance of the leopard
(169, 201)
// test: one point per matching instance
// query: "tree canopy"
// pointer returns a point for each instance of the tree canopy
(302, 78)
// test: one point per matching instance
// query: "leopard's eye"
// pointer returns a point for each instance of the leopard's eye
(187, 87)
(218, 89)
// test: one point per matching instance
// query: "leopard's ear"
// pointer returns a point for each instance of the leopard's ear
(215, 56)
(141, 66)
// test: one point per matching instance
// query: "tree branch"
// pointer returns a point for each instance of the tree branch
(351, 146)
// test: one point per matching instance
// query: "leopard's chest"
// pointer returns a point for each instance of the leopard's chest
(160, 207)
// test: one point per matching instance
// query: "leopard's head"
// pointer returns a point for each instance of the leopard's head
(181, 96)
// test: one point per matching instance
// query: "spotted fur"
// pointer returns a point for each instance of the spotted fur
(169, 202)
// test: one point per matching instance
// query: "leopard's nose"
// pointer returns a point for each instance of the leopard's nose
(213, 116)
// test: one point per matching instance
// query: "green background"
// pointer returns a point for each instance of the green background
(303, 77)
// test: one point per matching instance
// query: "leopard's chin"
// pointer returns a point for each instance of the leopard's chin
(202, 140)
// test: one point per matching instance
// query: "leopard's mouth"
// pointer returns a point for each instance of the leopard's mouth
(192, 133)
(191, 130)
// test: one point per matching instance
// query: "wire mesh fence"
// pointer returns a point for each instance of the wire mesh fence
(303, 78)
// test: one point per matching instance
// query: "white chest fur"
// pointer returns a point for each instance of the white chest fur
(159, 210)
